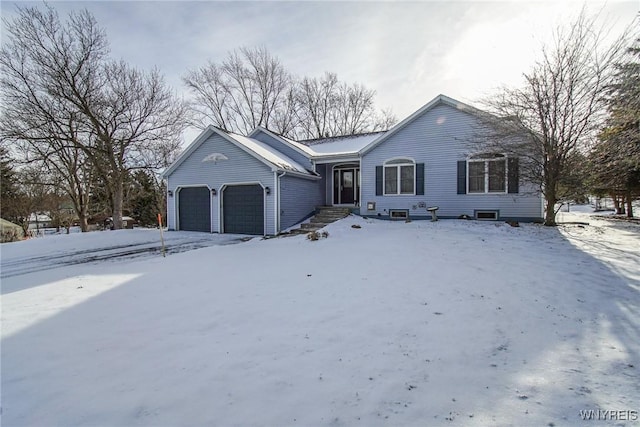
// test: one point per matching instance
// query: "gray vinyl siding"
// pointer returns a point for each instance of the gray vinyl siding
(439, 138)
(324, 199)
(325, 170)
(284, 149)
(298, 199)
(240, 167)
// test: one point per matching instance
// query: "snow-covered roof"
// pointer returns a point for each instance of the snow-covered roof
(269, 154)
(41, 217)
(348, 144)
(299, 145)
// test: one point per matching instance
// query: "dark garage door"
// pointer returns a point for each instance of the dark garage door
(195, 209)
(243, 207)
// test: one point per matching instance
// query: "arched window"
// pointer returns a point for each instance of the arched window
(399, 176)
(487, 173)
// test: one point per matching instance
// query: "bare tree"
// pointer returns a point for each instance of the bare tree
(316, 103)
(66, 168)
(48, 135)
(137, 123)
(354, 111)
(249, 88)
(328, 107)
(559, 109)
(252, 88)
(120, 118)
(46, 127)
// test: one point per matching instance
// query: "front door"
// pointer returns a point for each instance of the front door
(347, 186)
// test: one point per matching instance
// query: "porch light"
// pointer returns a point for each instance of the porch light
(213, 192)
(170, 193)
(267, 190)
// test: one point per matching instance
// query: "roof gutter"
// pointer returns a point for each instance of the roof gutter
(298, 174)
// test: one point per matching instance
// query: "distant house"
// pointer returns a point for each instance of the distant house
(264, 183)
(127, 222)
(39, 220)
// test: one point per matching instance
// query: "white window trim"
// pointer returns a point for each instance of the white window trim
(385, 165)
(486, 174)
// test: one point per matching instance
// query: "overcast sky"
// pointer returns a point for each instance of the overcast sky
(408, 52)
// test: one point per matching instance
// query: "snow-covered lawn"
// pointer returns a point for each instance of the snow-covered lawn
(400, 324)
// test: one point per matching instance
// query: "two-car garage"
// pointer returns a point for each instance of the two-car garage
(241, 210)
(229, 183)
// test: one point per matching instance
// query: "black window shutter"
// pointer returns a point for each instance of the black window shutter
(462, 177)
(378, 180)
(420, 179)
(513, 175)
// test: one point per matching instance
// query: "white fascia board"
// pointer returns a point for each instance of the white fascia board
(333, 159)
(300, 174)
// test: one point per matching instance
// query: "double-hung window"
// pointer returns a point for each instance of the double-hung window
(487, 174)
(399, 177)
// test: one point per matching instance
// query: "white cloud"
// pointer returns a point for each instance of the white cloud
(407, 51)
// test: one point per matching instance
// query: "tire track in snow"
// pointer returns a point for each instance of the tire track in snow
(47, 262)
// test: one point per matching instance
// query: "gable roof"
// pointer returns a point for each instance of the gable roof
(337, 145)
(325, 147)
(300, 148)
(440, 99)
(322, 148)
(262, 152)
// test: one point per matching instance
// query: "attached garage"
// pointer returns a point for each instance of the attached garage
(194, 209)
(243, 209)
(229, 183)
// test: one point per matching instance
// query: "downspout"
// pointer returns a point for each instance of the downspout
(359, 181)
(277, 201)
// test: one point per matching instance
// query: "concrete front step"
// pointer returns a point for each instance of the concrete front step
(332, 209)
(313, 225)
(325, 215)
(326, 218)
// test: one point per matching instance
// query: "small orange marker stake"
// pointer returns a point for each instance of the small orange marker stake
(164, 252)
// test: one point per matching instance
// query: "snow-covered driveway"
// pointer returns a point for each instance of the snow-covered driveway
(454, 323)
(62, 251)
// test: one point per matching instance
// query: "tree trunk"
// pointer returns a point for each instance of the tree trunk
(84, 223)
(118, 196)
(550, 213)
(550, 206)
(629, 204)
(80, 206)
(619, 204)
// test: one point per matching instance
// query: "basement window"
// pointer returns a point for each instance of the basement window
(487, 215)
(398, 214)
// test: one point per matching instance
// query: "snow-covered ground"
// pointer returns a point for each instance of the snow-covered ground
(60, 251)
(456, 323)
